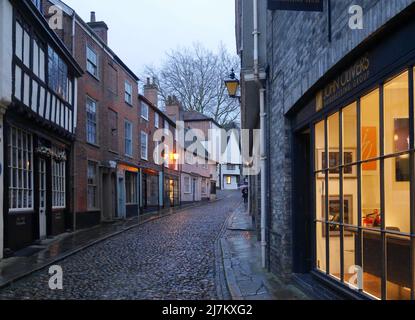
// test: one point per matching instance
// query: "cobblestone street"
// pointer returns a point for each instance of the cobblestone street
(169, 258)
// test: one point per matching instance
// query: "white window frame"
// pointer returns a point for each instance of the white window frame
(144, 136)
(128, 138)
(58, 182)
(22, 189)
(145, 111)
(187, 188)
(128, 92)
(156, 120)
(91, 64)
(93, 122)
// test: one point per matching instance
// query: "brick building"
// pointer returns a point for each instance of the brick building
(160, 182)
(338, 114)
(38, 121)
(107, 149)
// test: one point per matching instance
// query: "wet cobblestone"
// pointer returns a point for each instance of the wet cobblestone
(171, 258)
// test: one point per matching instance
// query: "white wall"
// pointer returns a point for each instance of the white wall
(6, 20)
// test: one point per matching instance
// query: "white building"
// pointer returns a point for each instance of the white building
(229, 175)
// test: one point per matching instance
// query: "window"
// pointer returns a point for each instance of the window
(144, 146)
(363, 197)
(231, 167)
(166, 127)
(131, 188)
(128, 93)
(58, 74)
(91, 121)
(156, 120)
(113, 120)
(38, 4)
(144, 110)
(92, 186)
(228, 180)
(128, 138)
(20, 159)
(187, 185)
(58, 180)
(91, 61)
(38, 60)
(204, 186)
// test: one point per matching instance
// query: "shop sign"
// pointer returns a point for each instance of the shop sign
(350, 79)
(296, 5)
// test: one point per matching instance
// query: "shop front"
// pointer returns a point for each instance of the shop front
(353, 142)
(150, 190)
(127, 191)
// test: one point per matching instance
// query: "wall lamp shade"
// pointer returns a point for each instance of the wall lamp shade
(232, 84)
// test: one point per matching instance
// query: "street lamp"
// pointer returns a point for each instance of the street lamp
(232, 85)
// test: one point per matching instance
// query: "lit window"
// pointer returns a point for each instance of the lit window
(228, 180)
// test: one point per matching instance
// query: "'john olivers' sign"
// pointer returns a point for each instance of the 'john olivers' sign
(358, 73)
(296, 5)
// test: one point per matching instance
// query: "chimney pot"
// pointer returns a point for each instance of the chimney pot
(93, 16)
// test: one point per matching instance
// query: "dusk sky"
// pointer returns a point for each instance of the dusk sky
(141, 31)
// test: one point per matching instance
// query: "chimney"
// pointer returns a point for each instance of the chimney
(174, 108)
(151, 92)
(100, 28)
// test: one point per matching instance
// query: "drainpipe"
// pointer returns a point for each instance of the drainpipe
(263, 116)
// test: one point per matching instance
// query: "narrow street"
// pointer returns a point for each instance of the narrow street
(169, 258)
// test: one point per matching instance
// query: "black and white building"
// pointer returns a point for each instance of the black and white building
(38, 108)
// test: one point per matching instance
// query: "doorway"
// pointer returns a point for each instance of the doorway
(121, 199)
(302, 204)
(42, 199)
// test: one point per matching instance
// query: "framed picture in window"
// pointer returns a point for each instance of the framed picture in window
(334, 215)
(349, 157)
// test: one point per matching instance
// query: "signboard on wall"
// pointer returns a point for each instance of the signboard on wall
(296, 5)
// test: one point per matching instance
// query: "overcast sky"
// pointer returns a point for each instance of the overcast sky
(141, 31)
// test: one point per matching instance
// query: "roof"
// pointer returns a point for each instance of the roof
(68, 10)
(156, 109)
(194, 116)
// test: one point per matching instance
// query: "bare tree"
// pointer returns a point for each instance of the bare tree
(195, 75)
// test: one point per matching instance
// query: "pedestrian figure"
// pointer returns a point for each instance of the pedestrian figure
(245, 195)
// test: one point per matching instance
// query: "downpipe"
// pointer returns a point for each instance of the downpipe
(263, 155)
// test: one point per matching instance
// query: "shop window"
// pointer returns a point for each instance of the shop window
(20, 159)
(370, 127)
(131, 188)
(349, 119)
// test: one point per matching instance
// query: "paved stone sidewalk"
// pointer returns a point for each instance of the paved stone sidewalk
(245, 277)
(37, 257)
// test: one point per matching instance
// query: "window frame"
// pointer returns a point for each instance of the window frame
(144, 135)
(93, 122)
(187, 189)
(383, 231)
(94, 186)
(128, 140)
(95, 65)
(145, 115)
(128, 95)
